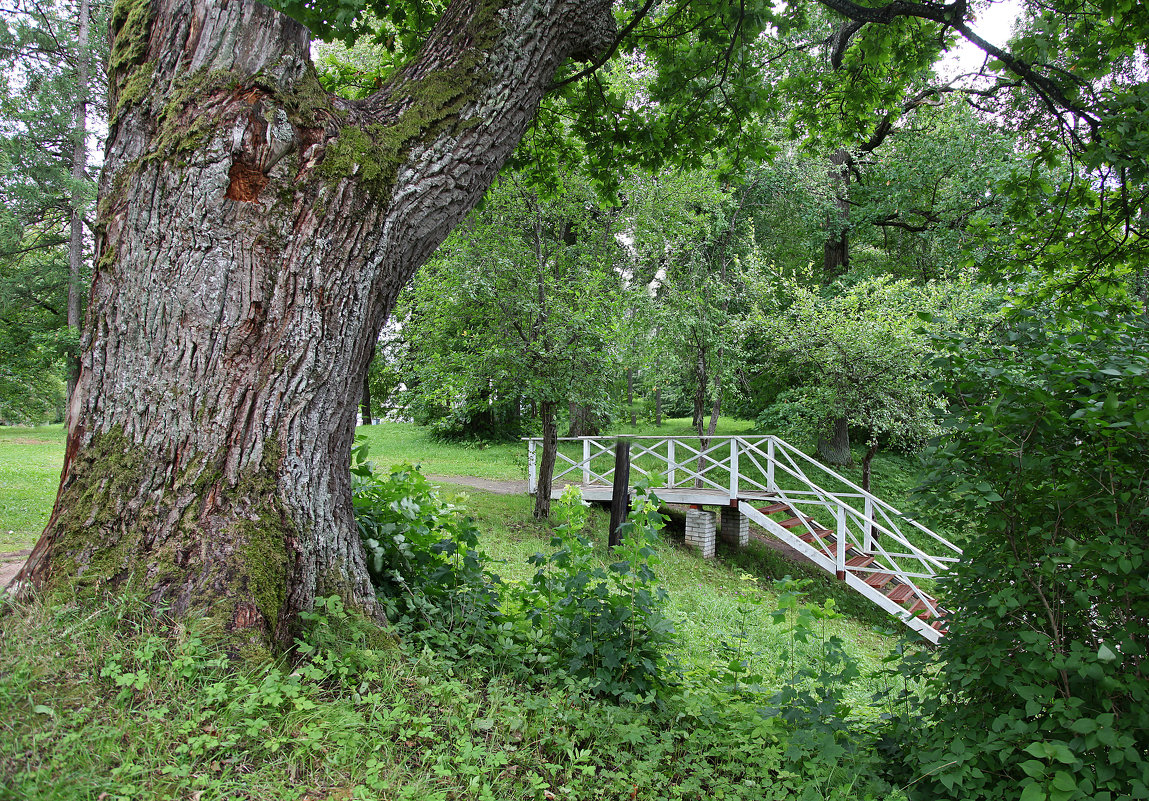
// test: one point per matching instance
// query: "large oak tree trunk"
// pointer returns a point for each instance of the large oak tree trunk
(253, 234)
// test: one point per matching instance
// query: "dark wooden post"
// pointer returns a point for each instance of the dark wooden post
(620, 494)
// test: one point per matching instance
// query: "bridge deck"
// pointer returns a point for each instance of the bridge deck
(699, 497)
(842, 528)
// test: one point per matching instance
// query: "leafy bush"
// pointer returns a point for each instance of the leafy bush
(604, 623)
(598, 624)
(423, 557)
(120, 705)
(1042, 690)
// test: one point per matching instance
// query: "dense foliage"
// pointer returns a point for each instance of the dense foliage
(1042, 683)
(600, 626)
(155, 710)
(858, 352)
(39, 91)
(516, 311)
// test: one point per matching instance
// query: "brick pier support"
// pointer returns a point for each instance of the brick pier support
(735, 527)
(700, 530)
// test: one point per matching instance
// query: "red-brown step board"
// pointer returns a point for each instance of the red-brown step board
(774, 508)
(831, 547)
(919, 607)
(794, 522)
(879, 580)
(817, 534)
(899, 593)
(860, 561)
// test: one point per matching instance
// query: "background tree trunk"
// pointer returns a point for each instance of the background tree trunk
(585, 422)
(79, 178)
(630, 396)
(252, 236)
(547, 462)
(835, 449)
(836, 256)
(871, 452)
(365, 403)
(699, 413)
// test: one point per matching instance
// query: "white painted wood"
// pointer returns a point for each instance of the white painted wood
(532, 468)
(869, 528)
(861, 520)
(733, 468)
(770, 485)
(840, 550)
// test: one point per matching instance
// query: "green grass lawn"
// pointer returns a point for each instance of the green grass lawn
(149, 710)
(30, 460)
(712, 601)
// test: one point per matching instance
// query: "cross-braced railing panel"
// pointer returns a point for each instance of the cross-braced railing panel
(844, 529)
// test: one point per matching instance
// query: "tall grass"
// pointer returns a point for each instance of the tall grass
(30, 460)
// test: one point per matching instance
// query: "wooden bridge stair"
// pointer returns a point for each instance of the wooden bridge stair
(862, 565)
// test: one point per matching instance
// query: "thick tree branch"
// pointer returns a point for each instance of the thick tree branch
(607, 54)
(953, 15)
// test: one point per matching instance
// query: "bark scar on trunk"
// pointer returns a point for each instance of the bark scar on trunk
(246, 182)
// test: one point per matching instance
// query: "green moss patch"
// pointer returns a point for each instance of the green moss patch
(131, 25)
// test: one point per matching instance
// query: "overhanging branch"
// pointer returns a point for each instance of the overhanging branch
(953, 15)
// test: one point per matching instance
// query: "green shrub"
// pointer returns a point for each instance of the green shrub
(423, 557)
(598, 624)
(1042, 684)
(604, 624)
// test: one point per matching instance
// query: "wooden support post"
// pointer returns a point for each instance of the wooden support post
(670, 465)
(770, 485)
(620, 494)
(840, 550)
(532, 479)
(586, 461)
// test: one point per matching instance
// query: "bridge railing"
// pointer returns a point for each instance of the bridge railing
(734, 468)
(668, 462)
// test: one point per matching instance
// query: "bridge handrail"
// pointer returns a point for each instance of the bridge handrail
(863, 519)
(750, 444)
(863, 493)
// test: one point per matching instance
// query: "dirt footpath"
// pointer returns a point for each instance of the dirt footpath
(488, 484)
(10, 564)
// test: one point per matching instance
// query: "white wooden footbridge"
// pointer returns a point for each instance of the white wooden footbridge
(848, 532)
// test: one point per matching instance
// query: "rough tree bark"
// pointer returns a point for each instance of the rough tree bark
(79, 176)
(836, 254)
(835, 448)
(253, 233)
(547, 411)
